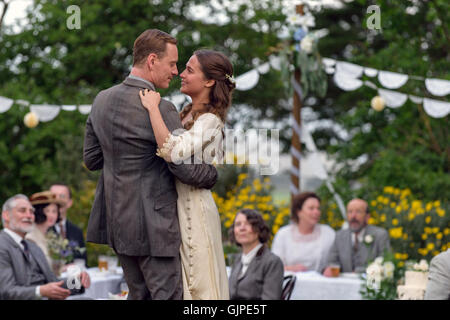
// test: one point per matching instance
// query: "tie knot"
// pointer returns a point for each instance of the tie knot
(25, 245)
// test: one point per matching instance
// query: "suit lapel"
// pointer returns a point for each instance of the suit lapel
(40, 260)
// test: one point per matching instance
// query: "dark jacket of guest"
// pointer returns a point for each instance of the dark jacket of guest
(263, 279)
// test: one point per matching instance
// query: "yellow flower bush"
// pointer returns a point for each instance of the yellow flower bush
(417, 229)
(252, 194)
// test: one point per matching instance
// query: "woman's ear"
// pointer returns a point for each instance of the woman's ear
(210, 83)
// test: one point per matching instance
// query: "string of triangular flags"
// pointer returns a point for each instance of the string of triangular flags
(346, 76)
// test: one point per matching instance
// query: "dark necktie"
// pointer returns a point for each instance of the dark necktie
(25, 248)
(356, 244)
(62, 231)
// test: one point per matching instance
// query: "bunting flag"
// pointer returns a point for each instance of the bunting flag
(346, 76)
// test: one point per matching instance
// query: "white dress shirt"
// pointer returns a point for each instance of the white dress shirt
(247, 258)
(18, 239)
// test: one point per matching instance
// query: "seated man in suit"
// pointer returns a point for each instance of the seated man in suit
(438, 287)
(24, 270)
(360, 243)
(65, 228)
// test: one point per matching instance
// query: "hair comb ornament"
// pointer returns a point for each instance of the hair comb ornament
(230, 78)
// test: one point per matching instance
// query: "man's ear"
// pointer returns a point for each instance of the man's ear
(151, 58)
(5, 217)
(210, 83)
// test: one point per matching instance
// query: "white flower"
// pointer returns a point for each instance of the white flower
(294, 19)
(423, 265)
(368, 239)
(307, 44)
(389, 268)
(305, 21)
(379, 261)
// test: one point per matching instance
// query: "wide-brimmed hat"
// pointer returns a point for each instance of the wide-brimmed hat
(46, 197)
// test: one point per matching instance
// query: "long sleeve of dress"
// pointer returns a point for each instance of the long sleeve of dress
(207, 129)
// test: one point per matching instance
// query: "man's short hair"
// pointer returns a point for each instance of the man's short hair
(151, 41)
(11, 202)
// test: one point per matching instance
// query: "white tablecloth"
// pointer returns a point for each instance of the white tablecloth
(313, 286)
(102, 283)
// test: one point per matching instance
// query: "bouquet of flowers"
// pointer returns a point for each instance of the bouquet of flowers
(381, 278)
(300, 50)
(62, 249)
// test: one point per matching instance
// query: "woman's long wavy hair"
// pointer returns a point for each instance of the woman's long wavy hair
(215, 66)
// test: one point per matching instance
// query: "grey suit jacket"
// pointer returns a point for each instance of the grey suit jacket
(438, 287)
(15, 269)
(341, 251)
(263, 279)
(135, 209)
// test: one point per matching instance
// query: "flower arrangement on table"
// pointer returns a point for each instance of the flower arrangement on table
(62, 251)
(300, 50)
(381, 278)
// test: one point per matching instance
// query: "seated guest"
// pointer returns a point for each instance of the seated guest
(438, 287)
(46, 214)
(355, 246)
(24, 271)
(64, 227)
(257, 273)
(304, 244)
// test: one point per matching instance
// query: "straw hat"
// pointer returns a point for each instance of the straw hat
(46, 197)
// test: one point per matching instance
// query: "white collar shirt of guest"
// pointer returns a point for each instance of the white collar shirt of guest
(15, 237)
(360, 236)
(247, 258)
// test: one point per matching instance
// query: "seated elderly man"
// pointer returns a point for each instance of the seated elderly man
(355, 246)
(24, 270)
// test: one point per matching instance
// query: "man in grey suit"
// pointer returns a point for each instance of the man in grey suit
(24, 271)
(438, 287)
(135, 209)
(355, 246)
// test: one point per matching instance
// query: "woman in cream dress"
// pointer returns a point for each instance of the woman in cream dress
(208, 81)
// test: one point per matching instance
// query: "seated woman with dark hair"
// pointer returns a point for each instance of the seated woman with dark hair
(257, 273)
(46, 215)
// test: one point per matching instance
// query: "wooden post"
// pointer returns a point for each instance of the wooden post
(296, 146)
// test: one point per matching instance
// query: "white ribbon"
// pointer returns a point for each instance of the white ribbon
(293, 188)
(297, 87)
(264, 68)
(393, 99)
(84, 108)
(275, 62)
(247, 80)
(69, 107)
(435, 108)
(438, 87)
(296, 153)
(328, 62)
(370, 72)
(415, 99)
(5, 104)
(392, 80)
(354, 70)
(346, 81)
(45, 112)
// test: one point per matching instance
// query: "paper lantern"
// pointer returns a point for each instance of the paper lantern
(31, 120)
(377, 103)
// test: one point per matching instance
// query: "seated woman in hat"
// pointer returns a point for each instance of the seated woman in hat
(46, 214)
